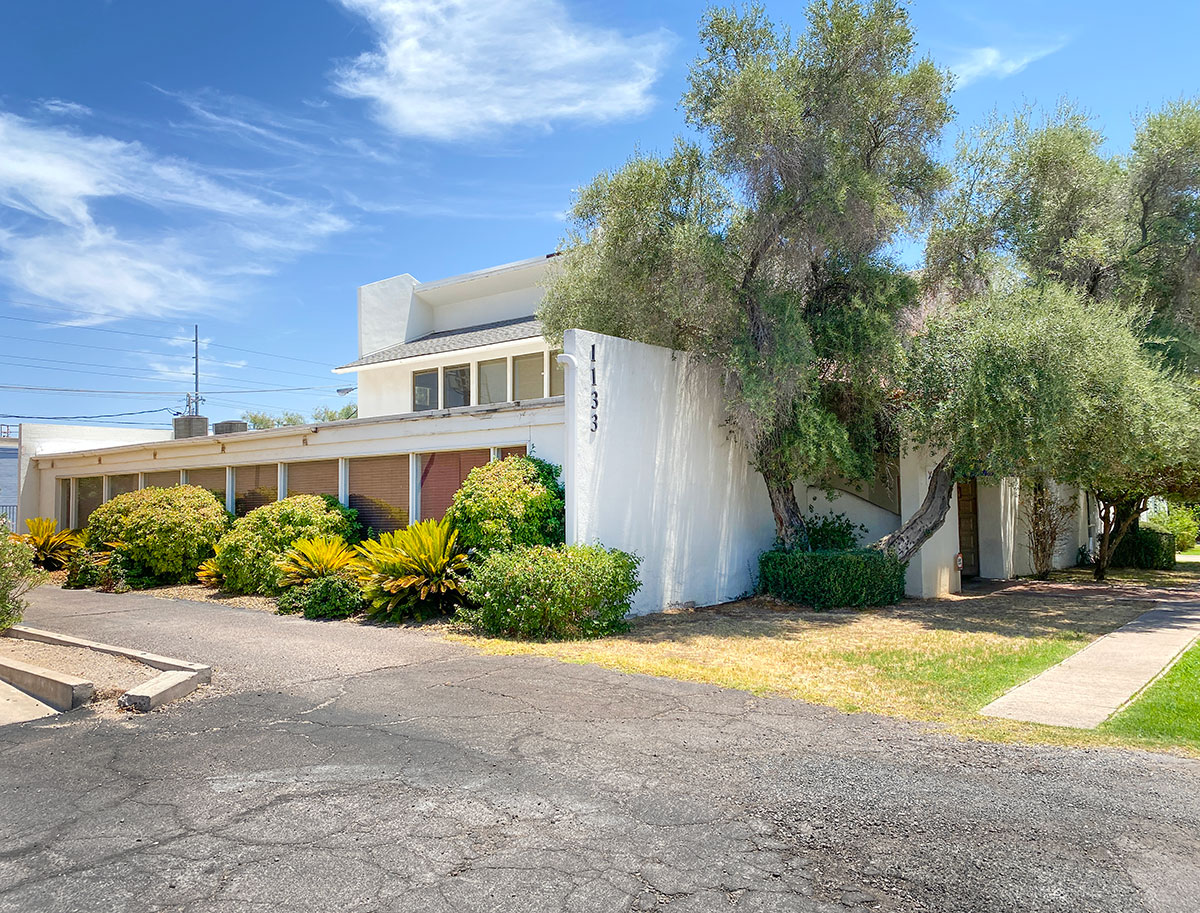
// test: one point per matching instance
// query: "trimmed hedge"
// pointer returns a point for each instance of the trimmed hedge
(508, 503)
(1145, 548)
(554, 593)
(829, 579)
(164, 532)
(247, 554)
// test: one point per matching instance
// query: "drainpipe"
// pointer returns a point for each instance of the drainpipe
(572, 372)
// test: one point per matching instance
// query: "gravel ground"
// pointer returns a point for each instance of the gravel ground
(344, 767)
(112, 675)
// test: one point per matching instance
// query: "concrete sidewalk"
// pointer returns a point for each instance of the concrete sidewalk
(1087, 688)
(17, 707)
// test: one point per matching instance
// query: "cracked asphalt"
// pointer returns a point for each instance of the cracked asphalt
(349, 768)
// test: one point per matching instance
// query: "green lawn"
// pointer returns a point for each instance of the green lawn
(1169, 710)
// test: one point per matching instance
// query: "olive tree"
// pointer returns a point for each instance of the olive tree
(761, 246)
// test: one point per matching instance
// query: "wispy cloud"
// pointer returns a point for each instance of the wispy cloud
(65, 108)
(985, 62)
(451, 69)
(197, 231)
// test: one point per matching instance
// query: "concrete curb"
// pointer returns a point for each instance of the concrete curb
(177, 678)
(58, 690)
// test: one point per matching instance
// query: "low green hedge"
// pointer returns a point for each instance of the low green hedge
(1145, 548)
(323, 597)
(828, 579)
(567, 592)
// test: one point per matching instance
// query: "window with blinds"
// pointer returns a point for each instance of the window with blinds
(254, 486)
(441, 476)
(522, 450)
(529, 373)
(211, 479)
(89, 493)
(316, 477)
(379, 491)
(167, 479)
(120, 485)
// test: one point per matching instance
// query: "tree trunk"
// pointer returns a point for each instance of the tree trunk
(789, 521)
(1116, 517)
(908, 539)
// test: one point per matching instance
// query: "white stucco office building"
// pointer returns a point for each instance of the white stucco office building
(455, 372)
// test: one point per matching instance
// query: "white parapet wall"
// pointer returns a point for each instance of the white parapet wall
(652, 469)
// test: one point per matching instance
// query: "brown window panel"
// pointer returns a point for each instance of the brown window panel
(318, 477)
(254, 486)
(166, 479)
(522, 450)
(442, 474)
(121, 485)
(210, 479)
(379, 491)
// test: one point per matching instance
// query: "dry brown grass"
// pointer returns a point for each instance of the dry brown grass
(937, 661)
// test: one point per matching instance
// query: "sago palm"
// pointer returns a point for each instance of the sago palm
(51, 547)
(414, 571)
(319, 556)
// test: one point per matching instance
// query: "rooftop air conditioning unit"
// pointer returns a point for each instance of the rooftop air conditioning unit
(230, 427)
(190, 426)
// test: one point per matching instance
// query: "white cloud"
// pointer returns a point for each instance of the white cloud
(198, 231)
(65, 108)
(449, 69)
(980, 63)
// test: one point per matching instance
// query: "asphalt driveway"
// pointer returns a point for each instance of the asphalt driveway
(338, 767)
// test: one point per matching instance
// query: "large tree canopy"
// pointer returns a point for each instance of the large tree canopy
(762, 247)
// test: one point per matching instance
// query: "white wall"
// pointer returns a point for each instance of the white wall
(878, 520)
(660, 475)
(933, 571)
(1067, 553)
(36, 497)
(388, 314)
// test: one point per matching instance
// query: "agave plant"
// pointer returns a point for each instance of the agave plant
(51, 547)
(319, 556)
(414, 571)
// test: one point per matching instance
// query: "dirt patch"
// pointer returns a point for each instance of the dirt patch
(198, 593)
(111, 675)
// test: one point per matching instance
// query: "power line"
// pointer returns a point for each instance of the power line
(21, 387)
(76, 326)
(51, 418)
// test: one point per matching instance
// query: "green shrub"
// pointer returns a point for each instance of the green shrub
(83, 569)
(416, 571)
(1180, 521)
(510, 502)
(832, 532)
(164, 533)
(18, 575)
(1145, 548)
(247, 554)
(323, 597)
(355, 531)
(557, 593)
(827, 579)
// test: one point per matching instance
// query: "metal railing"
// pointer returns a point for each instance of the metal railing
(9, 513)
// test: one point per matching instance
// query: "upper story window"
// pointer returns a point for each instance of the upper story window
(425, 390)
(456, 386)
(558, 375)
(529, 376)
(493, 380)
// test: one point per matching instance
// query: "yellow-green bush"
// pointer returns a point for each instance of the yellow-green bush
(510, 502)
(247, 555)
(416, 571)
(164, 533)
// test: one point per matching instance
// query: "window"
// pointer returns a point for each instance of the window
(254, 486)
(558, 374)
(64, 503)
(425, 392)
(211, 479)
(120, 485)
(319, 477)
(379, 491)
(164, 479)
(456, 386)
(442, 475)
(493, 380)
(528, 376)
(89, 493)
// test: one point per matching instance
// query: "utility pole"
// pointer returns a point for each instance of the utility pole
(194, 400)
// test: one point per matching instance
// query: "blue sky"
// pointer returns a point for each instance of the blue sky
(246, 166)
